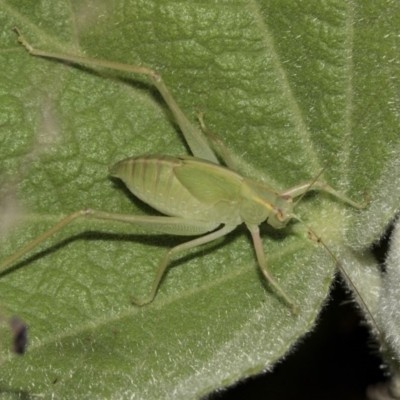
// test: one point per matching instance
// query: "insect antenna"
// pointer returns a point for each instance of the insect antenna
(318, 239)
(309, 186)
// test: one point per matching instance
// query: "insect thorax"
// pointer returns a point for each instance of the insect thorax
(259, 204)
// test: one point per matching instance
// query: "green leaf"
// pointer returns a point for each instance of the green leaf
(290, 87)
(389, 296)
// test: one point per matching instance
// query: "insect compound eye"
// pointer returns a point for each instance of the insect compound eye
(279, 215)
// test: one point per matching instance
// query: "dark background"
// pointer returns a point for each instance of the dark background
(338, 360)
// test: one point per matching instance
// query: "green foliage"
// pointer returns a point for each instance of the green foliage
(290, 87)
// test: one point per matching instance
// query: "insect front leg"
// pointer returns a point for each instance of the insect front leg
(195, 139)
(323, 187)
(262, 262)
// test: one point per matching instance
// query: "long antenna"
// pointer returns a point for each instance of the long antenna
(346, 275)
(310, 185)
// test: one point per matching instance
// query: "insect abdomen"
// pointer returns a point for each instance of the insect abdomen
(152, 179)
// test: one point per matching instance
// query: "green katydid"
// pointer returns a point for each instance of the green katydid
(198, 195)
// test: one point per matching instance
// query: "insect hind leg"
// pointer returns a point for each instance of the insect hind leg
(224, 152)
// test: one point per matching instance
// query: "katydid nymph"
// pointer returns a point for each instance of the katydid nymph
(198, 195)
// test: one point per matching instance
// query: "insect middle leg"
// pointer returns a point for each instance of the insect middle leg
(178, 249)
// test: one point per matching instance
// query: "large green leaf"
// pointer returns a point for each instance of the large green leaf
(289, 86)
